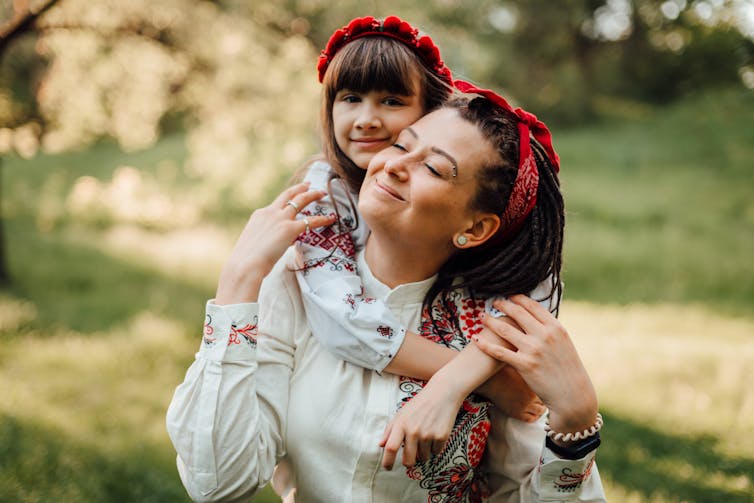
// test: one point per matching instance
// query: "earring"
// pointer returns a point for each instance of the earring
(461, 240)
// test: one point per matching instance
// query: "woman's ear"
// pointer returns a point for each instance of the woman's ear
(484, 226)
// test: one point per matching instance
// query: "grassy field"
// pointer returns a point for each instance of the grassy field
(102, 318)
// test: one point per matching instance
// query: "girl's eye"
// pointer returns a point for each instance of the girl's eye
(393, 102)
(351, 98)
(400, 147)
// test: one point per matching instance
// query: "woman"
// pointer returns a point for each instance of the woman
(249, 402)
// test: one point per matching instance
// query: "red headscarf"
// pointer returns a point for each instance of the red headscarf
(524, 194)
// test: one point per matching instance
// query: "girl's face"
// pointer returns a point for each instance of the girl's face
(365, 123)
(420, 188)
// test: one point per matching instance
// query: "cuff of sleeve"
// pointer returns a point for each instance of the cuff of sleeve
(384, 359)
(230, 332)
(563, 477)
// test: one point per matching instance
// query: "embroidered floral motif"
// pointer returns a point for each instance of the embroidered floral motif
(470, 317)
(208, 331)
(248, 333)
(455, 474)
(568, 481)
(385, 331)
(348, 299)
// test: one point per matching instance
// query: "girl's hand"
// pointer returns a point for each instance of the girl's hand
(546, 359)
(268, 233)
(422, 426)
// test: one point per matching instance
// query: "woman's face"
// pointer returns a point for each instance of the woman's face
(419, 189)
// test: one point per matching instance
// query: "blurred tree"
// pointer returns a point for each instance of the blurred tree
(238, 77)
(21, 20)
(247, 93)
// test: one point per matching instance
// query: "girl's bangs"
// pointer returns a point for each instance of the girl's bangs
(375, 64)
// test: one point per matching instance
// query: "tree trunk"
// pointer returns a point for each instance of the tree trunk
(24, 16)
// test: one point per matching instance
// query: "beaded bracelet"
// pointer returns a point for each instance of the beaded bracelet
(573, 437)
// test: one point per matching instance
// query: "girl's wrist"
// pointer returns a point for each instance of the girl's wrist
(451, 387)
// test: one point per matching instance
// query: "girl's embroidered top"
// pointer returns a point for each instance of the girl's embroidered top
(393, 27)
(524, 194)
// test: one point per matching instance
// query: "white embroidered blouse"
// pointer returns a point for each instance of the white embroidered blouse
(249, 402)
(355, 332)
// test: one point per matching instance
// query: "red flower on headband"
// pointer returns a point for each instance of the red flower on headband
(391, 27)
(524, 194)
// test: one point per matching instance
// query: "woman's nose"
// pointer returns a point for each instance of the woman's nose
(398, 167)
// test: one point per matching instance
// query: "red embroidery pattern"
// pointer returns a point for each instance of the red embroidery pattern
(335, 240)
(470, 318)
(385, 331)
(248, 332)
(568, 481)
(208, 331)
(329, 239)
(348, 299)
(455, 474)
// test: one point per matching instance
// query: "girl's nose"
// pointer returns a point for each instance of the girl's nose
(367, 118)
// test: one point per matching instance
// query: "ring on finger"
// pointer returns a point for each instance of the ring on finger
(293, 205)
(306, 222)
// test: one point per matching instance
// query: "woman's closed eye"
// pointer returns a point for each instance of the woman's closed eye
(430, 168)
(433, 170)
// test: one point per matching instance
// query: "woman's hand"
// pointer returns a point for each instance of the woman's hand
(510, 393)
(422, 426)
(546, 359)
(268, 233)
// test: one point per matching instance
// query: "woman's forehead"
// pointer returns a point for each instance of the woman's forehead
(445, 129)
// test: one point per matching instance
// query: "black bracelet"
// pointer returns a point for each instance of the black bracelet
(575, 450)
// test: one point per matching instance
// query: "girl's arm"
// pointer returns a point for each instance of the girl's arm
(355, 328)
(537, 346)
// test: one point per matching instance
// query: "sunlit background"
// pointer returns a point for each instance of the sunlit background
(137, 136)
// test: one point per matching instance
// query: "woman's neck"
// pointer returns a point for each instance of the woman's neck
(394, 263)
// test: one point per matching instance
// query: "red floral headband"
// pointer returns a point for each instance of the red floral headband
(393, 27)
(524, 194)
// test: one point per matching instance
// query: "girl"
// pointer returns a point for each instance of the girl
(378, 77)
(250, 401)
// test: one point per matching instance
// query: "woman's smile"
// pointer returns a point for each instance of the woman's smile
(392, 193)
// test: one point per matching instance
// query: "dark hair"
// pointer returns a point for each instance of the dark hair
(516, 263)
(373, 63)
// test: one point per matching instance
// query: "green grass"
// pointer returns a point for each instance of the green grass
(660, 209)
(101, 320)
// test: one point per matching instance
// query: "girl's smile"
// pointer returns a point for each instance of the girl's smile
(367, 122)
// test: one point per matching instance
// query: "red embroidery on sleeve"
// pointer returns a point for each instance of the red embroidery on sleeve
(568, 481)
(248, 332)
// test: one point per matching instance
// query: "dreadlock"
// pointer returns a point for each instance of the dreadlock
(517, 263)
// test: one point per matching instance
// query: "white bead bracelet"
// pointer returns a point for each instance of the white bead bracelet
(579, 435)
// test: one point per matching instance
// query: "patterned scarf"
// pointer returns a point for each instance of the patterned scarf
(455, 474)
